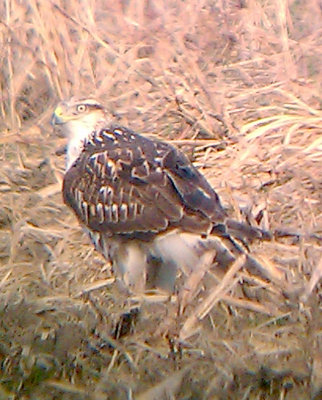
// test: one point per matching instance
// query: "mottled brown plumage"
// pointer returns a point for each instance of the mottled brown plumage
(142, 202)
(126, 184)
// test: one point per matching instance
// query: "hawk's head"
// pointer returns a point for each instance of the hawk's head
(78, 119)
(75, 113)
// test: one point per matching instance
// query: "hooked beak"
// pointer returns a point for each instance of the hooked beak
(58, 118)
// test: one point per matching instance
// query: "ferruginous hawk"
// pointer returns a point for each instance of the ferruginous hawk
(144, 205)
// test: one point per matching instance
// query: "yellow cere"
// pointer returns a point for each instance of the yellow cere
(58, 111)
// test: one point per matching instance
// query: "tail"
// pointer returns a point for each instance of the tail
(247, 233)
(238, 235)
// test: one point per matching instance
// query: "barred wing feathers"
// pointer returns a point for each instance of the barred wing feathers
(125, 183)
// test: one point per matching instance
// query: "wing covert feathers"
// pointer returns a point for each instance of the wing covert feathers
(124, 183)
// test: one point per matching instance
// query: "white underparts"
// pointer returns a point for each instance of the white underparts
(155, 264)
(77, 131)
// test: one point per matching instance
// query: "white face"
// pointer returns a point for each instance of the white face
(78, 120)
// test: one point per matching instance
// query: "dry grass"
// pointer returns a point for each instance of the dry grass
(237, 84)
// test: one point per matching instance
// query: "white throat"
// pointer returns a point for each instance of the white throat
(77, 131)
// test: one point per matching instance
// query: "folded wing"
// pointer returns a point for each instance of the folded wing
(124, 183)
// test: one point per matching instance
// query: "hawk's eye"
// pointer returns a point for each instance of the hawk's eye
(81, 108)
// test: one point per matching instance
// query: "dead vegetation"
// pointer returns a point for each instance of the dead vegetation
(237, 84)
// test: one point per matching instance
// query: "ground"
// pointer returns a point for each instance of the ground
(236, 85)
